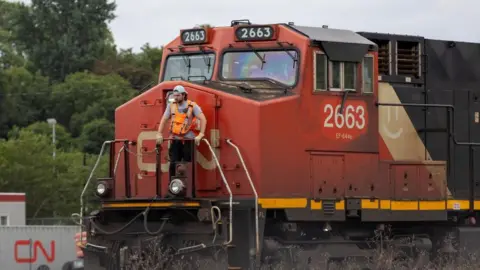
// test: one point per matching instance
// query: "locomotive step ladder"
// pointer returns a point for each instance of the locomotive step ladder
(252, 185)
(230, 206)
(257, 235)
(229, 243)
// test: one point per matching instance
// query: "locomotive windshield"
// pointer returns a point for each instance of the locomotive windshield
(277, 65)
(189, 67)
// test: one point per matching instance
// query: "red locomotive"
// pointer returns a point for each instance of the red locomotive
(315, 137)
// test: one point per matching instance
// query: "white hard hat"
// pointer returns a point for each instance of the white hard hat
(180, 89)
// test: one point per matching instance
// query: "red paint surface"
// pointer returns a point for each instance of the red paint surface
(287, 148)
(6, 197)
(37, 248)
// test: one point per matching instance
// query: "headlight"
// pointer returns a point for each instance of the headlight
(176, 186)
(102, 189)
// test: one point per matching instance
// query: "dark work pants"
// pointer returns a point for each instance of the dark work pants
(179, 151)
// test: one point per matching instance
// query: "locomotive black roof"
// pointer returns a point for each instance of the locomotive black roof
(333, 35)
(338, 44)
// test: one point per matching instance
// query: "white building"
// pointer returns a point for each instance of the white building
(12, 209)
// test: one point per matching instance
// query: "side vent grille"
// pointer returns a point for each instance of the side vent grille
(328, 207)
(383, 56)
(408, 59)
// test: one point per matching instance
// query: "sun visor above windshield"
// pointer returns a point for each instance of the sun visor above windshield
(339, 45)
(344, 52)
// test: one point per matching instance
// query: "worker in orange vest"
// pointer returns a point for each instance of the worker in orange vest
(187, 121)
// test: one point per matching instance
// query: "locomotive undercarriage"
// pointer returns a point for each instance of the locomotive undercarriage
(154, 239)
(196, 239)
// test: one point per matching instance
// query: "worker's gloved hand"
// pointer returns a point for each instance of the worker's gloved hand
(159, 138)
(199, 138)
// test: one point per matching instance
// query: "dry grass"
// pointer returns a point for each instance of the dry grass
(159, 258)
(383, 259)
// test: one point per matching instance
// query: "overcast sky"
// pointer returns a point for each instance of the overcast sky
(159, 21)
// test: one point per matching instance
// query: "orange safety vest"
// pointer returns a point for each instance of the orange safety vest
(179, 124)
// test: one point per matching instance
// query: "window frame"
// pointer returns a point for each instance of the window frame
(7, 217)
(328, 65)
(325, 66)
(172, 54)
(373, 74)
(261, 49)
(342, 77)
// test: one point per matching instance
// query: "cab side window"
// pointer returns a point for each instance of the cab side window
(341, 76)
(320, 70)
(349, 75)
(367, 72)
(335, 80)
(3, 220)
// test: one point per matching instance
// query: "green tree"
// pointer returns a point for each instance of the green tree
(84, 97)
(63, 139)
(140, 69)
(63, 37)
(23, 97)
(151, 57)
(10, 51)
(59, 59)
(71, 177)
(95, 133)
(52, 186)
(27, 166)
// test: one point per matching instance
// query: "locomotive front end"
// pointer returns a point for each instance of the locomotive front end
(233, 197)
(160, 211)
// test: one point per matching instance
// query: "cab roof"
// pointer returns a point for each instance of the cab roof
(338, 44)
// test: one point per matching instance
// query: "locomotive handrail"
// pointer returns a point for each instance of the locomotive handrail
(446, 106)
(451, 135)
(90, 179)
(257, 236)
(228, 189)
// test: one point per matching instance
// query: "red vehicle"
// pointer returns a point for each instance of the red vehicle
(316, 137)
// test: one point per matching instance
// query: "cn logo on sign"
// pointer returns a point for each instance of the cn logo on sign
(23, 254)
(348, 125)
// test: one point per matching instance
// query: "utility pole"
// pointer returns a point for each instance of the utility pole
(53, 122)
